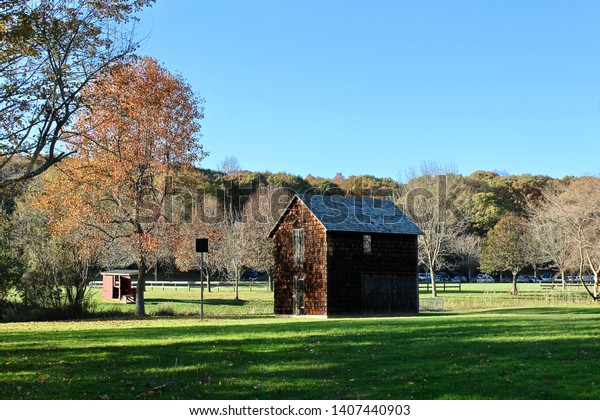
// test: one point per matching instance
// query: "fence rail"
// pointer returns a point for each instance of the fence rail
(189, 285)
(440, 285)
(551, 284)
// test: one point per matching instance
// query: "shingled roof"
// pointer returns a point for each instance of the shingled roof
(356, 214)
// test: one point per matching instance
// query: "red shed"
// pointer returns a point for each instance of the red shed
(116, 285)
(345, 255)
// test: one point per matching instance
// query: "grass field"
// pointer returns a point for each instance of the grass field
(539, 346)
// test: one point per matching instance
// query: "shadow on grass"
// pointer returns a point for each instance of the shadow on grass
(226, 302)
(496, 355)
(552, 310)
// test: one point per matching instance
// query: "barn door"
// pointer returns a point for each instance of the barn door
(298, 295)
(381, 293)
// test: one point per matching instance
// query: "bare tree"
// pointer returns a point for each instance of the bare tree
(578, 208)
(431, 199)
(232, 249)
(467, 248)
(230, 165)
(550, 227)
(536, 257)
(261, 212)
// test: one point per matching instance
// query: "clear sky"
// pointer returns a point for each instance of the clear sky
(377, 87)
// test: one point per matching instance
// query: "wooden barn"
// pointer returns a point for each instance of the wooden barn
(345, 255)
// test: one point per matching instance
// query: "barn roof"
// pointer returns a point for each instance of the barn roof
(356, 214)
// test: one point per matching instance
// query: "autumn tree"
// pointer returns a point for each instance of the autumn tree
(56, 265)
(50, 52)
(143, 126)
(505, 248)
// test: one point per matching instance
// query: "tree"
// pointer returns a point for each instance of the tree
(200, 221)
(230, 165)
(432, 200)
(51, 51)
(56, 265)
(581, 202)
(467, 248)
(505, 248)
(261, 212)
(232, 249)
(11, 266)
(142, 128)
(536, 257)
(550, 227)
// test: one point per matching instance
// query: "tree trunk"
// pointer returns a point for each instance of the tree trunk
(564, 279)
(433, 288)
(208, 281)
(514, 291)
(596, 286)
(269, 281)
(237, 285)
(140, 309)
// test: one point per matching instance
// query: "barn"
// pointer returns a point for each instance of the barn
(344, 256)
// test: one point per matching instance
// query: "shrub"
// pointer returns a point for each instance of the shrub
(164, 310)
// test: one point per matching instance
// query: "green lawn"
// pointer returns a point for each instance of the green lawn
(543, 350)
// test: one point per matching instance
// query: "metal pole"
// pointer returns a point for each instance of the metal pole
(201, 286)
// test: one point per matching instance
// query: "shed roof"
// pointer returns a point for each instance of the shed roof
(121, 273)
(356, 214)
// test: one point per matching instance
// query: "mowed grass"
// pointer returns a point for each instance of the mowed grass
(533, 352)
(184, 303)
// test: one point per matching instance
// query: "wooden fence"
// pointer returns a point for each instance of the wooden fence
(440, 286)
(557, 284)
(189, 285)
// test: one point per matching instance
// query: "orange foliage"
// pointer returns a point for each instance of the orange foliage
(140, 125)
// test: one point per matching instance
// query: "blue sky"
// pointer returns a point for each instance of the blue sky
(377, 87)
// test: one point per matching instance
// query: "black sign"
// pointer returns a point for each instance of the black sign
(202, 245)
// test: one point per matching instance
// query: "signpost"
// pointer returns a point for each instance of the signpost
(201, 247)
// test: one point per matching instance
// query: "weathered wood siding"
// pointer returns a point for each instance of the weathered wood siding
(313, 271)
(383, 281)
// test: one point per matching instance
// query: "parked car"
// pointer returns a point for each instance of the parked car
(484, 278)
(441, 276)
(458, 279)
(522, 279)
(423, 276)
(533, 279)
(546, 277)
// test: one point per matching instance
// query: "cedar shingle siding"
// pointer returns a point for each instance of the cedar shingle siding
(323, 264)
